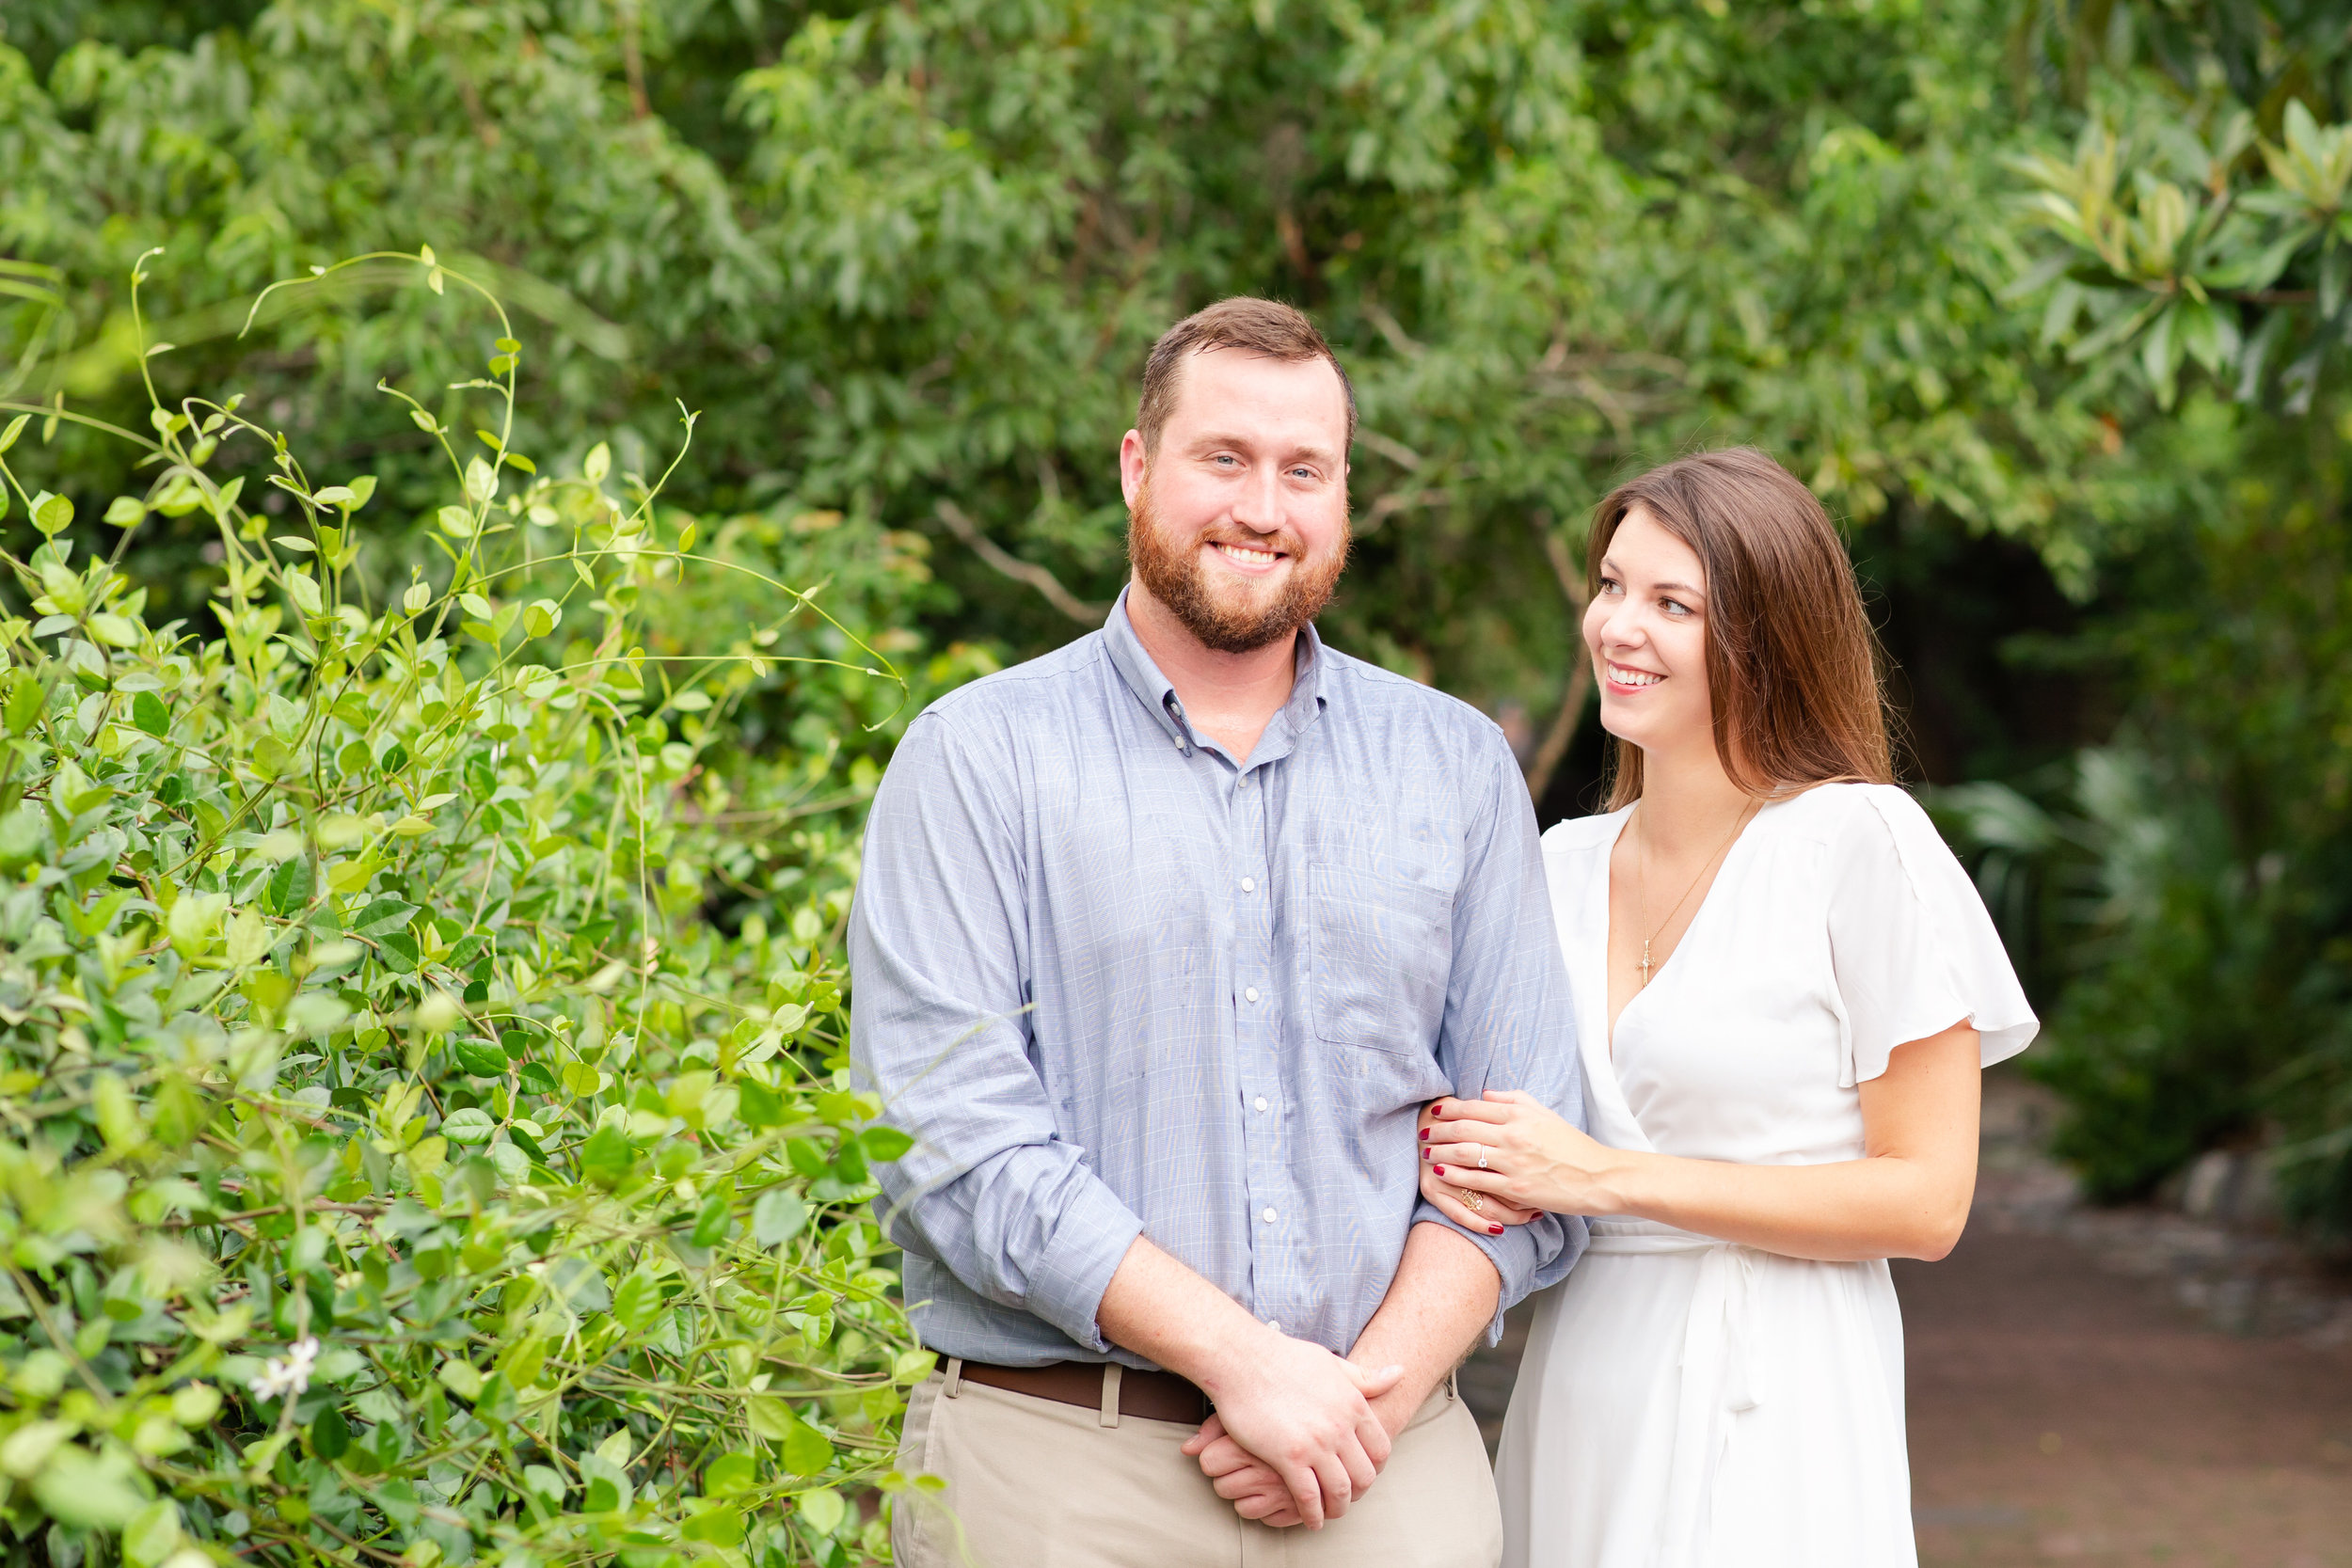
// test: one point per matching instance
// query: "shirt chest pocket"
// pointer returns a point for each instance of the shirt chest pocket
(1381, 952)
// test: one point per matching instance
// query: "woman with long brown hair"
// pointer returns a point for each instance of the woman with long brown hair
(1786, 988)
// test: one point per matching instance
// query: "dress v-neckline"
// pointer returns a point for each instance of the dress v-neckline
(1608, 857)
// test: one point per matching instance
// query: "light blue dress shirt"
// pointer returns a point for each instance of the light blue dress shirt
(1117, 982)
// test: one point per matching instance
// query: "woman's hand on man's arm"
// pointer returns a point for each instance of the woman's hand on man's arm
(1512, 1150)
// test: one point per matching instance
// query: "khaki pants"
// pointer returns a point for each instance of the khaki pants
(1033, 1484)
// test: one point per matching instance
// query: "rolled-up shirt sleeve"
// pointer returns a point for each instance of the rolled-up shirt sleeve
(939, 1027)
(1509, 1023)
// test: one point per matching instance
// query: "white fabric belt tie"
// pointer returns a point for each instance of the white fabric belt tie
(1722, 1372)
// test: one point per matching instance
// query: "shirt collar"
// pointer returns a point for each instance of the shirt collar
(1158, 695)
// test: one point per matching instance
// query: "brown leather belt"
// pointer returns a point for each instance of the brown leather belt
(1150, 1396)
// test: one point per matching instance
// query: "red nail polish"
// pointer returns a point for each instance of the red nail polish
(1424, 1135)
(1439, 1169)
(1494, 1230)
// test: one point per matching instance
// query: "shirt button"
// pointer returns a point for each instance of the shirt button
(1243, 781)
(1269, 1215)
(1249, 884)
(1274, 1323)
(1180, 742)
(1260, 1102)
(1251, 994)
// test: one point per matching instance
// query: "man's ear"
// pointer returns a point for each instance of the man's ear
(1134, 463)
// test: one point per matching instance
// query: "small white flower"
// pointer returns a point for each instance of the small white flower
(291, 1375)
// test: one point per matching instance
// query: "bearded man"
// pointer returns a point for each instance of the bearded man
(1162, 941)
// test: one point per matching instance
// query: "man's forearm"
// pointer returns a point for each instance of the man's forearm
(1166, 1312)
(1439, 1303)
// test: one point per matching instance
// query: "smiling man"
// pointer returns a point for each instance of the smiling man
(1162, 941)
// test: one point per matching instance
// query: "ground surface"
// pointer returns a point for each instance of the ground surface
(2068, 1403)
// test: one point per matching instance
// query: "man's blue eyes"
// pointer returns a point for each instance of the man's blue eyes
(1229, 460)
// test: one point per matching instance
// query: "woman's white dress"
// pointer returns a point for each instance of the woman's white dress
(1686, 1403)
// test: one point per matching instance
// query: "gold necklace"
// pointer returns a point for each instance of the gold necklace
(1646, 966)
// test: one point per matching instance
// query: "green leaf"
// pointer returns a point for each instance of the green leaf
(608, 1156)
(481, 1058)
(729, 1474)
(760, 1106)
(52, 514)
(637, 1300)
(126, 512)
(330, 1435)
(885, 1143)
(288, 890)
(152, 1535)
(85, 1492)
(467, 1126)
(148, 714)
(717, 1526)
(384, 914)
(16, 428)
(520, 1363)
(807, 1450)
(116, 631)
(778, 1216)
(712, 1222)
(24, 702)
(607, 1487)
(823, 1509)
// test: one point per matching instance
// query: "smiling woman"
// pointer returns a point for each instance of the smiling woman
(1781, 1071)
(1787, 651)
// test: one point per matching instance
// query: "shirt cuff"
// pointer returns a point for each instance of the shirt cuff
(1090, 1240)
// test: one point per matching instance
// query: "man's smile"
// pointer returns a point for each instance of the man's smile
(1252, 557)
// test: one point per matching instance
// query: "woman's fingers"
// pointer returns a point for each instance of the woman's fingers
(1463, 1154)
(1471, 1110)
(1512, 1097)
(1486, 1185)
(1450, 1204)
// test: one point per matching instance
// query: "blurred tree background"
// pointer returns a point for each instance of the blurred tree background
(2046, 299)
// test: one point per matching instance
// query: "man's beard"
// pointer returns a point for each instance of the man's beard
(1176, 576)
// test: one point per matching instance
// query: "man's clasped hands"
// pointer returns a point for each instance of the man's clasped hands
(1299, 1433)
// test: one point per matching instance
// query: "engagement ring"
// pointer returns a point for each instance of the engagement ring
(1481, 1156)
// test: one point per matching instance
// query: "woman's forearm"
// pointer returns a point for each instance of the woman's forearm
(1906, 1198)
(1882, 1207)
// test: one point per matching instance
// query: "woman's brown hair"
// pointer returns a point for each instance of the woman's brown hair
(1792, 669)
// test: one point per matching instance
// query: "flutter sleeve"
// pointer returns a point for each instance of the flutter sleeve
(1913, 949)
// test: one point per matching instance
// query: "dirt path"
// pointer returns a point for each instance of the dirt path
(2059, 1411)
(2062, 1410)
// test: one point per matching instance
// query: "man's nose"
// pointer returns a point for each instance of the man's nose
(1258, 506)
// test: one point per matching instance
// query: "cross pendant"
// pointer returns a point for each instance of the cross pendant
(1645, 963)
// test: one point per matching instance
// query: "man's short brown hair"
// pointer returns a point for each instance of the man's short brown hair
(1263, 327)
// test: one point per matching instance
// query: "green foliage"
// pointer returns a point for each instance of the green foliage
(2201, 217)
(906, 258)
(428, 1134)
(2181, 890)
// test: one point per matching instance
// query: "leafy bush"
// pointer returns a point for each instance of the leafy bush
(428, 1135)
